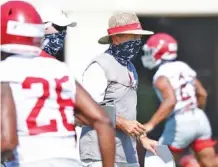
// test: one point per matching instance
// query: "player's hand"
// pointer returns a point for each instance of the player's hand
(148, 127)
(131, 127)
(149, 144)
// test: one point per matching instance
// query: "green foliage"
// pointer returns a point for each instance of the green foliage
(147, 101)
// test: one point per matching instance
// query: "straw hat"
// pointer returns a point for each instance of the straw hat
(123, 23)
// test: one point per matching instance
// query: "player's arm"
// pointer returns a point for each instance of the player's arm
(96, 117)
(9, 138)
(167, 105)
(80, 119)
(201, 94)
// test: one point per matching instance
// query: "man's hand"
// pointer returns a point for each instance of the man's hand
(148, 144)
(131, 127)
(148, 127)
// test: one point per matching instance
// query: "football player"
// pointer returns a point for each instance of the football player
(45, 96)
(183, 99)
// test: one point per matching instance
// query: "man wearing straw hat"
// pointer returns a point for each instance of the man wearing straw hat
(112, 80)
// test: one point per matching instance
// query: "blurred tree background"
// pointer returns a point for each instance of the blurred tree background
(198, 39)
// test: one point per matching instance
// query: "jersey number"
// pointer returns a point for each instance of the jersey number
(183, 90)
(184, 93)
(35, 129)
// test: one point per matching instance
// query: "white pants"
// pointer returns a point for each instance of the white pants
(48, 163)
(191, 128)
(89, 163)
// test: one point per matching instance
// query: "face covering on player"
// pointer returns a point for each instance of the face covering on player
(53, 43)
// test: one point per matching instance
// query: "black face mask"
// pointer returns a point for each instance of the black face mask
(54, 43)
(125, 51)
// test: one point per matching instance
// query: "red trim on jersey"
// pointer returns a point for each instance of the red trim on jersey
(176, 150)
(128, 27)
(45, 54)
(199, 145)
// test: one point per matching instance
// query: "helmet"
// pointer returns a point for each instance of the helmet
(21, 28)
(158, 48)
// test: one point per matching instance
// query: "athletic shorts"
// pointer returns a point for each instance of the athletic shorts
(190, 128)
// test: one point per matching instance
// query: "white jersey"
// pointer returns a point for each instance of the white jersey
(44, 96)
(181, 77)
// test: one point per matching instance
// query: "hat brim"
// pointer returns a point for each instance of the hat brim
(65, 22)
(55, 15)
(106, 39)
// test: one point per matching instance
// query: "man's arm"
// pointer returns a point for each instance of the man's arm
(9, 138)
(201, 94)
(167, 105)
(96, 117)
(95, 83)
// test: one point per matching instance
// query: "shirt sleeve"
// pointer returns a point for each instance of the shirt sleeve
(95, 82)
(191, 71)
